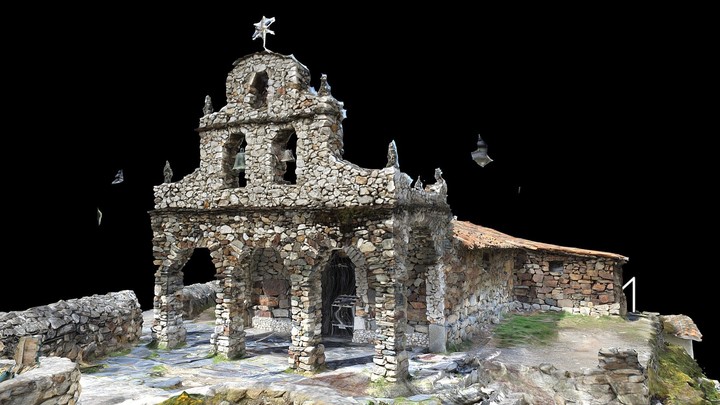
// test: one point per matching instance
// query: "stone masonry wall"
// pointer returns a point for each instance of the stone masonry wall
(270, 286)
(89, 327)
(479, 290)
(416, 290)
(291, 106)
(585, 285)
(196, 298)
(55, 380)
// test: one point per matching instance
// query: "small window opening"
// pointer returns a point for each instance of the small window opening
(259, 88)
(556, 266)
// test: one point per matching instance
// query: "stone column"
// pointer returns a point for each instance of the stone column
(306, 353)
(391, 359)
(228, 338)
(435, 289)
(168, 331)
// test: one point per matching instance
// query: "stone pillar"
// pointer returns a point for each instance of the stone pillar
(306, 353)
(437, 331)
(168, 331)
(228, 338)
(391, 359)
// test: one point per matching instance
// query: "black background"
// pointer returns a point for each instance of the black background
(596, 119)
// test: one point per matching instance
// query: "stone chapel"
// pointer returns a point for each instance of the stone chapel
(296, 233)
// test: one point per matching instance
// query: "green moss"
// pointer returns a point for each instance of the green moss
(463, 346)
(581, 321)
(521, 329)
(679, 379)
(185, 399)
(118, 353)
(153, 355)
(158, 371)
(92, 369)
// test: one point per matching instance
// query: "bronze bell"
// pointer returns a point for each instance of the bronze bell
(240, 160)
(480, 156)
(287, 156)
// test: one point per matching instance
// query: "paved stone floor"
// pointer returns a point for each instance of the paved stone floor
(146, 376)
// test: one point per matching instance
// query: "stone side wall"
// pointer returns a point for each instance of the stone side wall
(416, 288)
(55, 380)
(270, 287)
(89, 327)
(196, 298)
(281, 326)
(586, 285)
(479, 291)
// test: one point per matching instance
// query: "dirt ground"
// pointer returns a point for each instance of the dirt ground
(577, 345)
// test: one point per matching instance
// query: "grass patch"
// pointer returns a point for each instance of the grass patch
(92, 369)
(463, 346)
(584, 321)
(119, 353)
(219, 358)
(158, 371)
(386, 389)
(531, 329)
(185, 399)
(679, 379)
(380, 385)
(151, 356)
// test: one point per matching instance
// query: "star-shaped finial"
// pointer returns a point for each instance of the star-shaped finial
(261, 29)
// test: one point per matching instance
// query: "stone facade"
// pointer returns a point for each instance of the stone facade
(576, 284)
(55, 380)
(86, 327)
(275, 227)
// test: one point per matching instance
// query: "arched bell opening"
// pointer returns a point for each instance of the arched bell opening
(285, 150)
(235, 161)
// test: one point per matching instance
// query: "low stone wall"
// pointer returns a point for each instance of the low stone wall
(282, 326)
(416, 339)
(619, 375)
(88, 327)
(196, 298)
(55, 380)
(586, 308)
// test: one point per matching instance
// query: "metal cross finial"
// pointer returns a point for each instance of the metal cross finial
(261, 29)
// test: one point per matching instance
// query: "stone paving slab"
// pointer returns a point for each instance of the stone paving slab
(147, 376)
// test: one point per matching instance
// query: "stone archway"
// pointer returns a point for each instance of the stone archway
(425, 291)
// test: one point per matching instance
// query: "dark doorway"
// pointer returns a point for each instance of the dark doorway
(338, 286)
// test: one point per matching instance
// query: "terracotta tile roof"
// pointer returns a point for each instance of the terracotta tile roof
(681, 326)
(476, 236)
